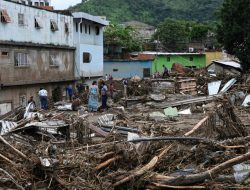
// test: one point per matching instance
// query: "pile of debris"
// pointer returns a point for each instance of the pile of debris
(163, 140)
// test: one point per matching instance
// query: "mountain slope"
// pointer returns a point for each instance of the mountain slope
(151, 11)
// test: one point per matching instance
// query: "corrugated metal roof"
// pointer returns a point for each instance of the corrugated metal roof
(90, 18)
(229, 63)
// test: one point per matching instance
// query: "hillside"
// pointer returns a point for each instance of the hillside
(152, 11)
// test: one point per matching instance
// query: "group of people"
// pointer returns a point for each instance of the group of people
(95, 91)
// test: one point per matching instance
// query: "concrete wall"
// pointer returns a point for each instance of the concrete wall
(210, 56)
(90, 43)
(198, 61)
(39, 69)
(5, 108)
(28, 32)
(126, 69)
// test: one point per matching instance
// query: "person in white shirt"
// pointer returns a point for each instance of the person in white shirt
(43, 94)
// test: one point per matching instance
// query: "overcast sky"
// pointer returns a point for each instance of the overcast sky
(64, 4)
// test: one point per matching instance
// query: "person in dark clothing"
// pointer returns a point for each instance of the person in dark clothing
(111, 90)
(165, 72)
(31, 100)
(43, 95)
(69, 90)
(104, 91)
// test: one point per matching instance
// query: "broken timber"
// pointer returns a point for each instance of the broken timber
(199, 177)
(98, 130)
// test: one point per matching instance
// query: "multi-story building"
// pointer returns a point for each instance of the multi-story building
(88, 40)
(36, 50)
(38, 3)
(43, 48)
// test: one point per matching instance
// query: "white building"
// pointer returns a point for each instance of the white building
(36, 50)
(88, 40)
(23, 23)
(35, 2)
(43, 48)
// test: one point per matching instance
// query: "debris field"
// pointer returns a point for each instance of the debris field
(167, 134)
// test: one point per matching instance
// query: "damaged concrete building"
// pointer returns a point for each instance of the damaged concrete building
(36, 50)
(44, 48)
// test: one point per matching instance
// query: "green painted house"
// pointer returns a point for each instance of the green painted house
(191, 60)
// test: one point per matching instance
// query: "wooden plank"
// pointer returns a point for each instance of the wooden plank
(98, 130)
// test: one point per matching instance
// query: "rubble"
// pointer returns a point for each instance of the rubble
(198, 142)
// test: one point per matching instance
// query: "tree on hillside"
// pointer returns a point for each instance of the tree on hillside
(199, 31)
(172, 34)
(234, 30)
(119, 36)
(176, 34)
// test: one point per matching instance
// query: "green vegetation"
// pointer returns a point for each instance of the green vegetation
(175, 34)
(152, 11)
(234, 30)
(125, 37)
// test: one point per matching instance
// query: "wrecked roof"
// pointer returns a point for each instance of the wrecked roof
(229, 63)
(89, 17)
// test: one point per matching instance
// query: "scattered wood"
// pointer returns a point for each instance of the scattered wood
(145, 168)
(14, 149)
(200, 177)
(107, 162)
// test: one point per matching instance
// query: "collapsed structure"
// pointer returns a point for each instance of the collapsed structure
(162, 135)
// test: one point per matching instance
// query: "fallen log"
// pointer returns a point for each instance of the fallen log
(7, 160)
(145, 168)
(11, 178)
(197, 126)
(107, 162)
(200, 177)
(161, 186)
(13, 148)
(98, 130)
(169, 139)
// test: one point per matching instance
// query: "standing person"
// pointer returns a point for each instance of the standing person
(111, 90)
(32, 104)
(110, 78)
(106, 77)
(93, 97)
(69, 90)
(76, 103)
(165, 72)
(43, 95)
(104, 95)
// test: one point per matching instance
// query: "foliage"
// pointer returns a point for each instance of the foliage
(234, 30)
(151, 11)
(199, 31)
(172, 34)
(175, 34)
(119, 36)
